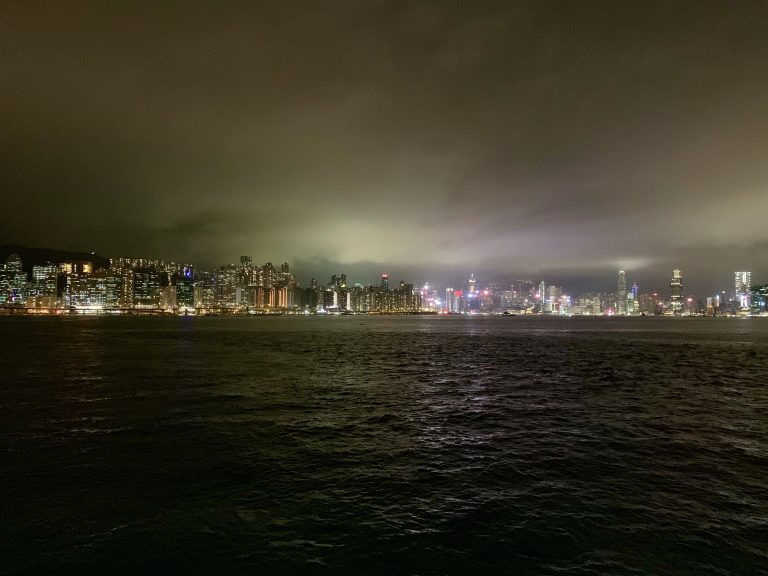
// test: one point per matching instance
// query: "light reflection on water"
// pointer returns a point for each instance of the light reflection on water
(373, 445)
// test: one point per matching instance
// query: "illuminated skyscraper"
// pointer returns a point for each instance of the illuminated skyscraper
(185, 287)
(472, 283)
(385, 282)
(759, 299)
(742, 285)
(621, 304)
(146, 288)
(676, 292)
(450, 300)
(13, 281)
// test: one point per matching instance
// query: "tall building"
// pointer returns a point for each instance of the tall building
(759, 299)
(676, 292)
(103, 289)
(44, 285)
(385, 282)
(450, 300)
(472, 283)
(185, 287)
(246, 261)
(13, 281)
(227, 283)
(621, 304)
(146, 287)
(742, 287)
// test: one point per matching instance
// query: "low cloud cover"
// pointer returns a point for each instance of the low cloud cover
(428, 139)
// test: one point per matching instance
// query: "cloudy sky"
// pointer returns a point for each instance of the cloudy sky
(428, 139)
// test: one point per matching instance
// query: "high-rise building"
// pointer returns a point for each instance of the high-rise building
(450, 300)
(621, 303)
(541, 297)
(759, 299)
(44, 285)
(676, 292)
(103, 289)
(13, 281)
(185, 287)
(385, 282)
(146, 287)
(742, 287)
(168, 297)
(472, 283)
(246, 261)
(227, 283)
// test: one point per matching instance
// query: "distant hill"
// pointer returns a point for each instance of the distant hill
(33, 256)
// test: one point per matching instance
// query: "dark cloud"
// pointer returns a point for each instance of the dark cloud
(431, 139)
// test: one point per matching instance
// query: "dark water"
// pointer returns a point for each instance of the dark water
(355, 445)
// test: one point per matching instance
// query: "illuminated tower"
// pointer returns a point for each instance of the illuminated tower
(450, 300)
(472, 283)
(676, 291)
(385, 282)
(622, 303)
(742, 285)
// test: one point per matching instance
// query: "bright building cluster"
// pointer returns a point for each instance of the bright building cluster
(139, 285)
(529, 297)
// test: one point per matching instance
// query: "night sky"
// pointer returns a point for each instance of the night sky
(561, 140)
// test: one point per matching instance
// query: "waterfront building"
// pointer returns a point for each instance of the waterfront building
(631, 304)
(759, 300)
(647, 304)
(742, 287)
(75, 290)
(450, 300)
(676, 292)
(146, 288)
(103, 289)
(621, 304)
(13, 281)
(185, 287)
(44, 288)
(589, 303)
(227, 282)
(168, 297)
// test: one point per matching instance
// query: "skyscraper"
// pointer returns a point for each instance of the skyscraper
(622, 292)
(676, 292)
(759, 299)
(742, 286)
(385, 282)
(472, 283)
(450, 300)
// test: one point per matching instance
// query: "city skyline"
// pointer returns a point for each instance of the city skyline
(59, 280)
(453, 276)
(565, 141)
